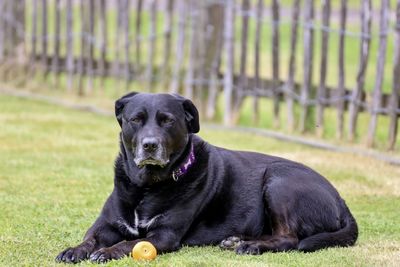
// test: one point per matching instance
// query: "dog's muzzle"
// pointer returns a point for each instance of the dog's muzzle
(151, 152)
(140, 162)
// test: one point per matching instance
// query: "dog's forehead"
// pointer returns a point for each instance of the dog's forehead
(153, 103)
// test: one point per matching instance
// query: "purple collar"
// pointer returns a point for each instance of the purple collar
(185, 166)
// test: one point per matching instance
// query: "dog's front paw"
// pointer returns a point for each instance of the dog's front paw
(231, 243)
(106, 254)
(250, 248)
(73, 255)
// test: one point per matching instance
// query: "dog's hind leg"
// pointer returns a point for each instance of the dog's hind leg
(277, 243)
(233, 242)
(283, 235)
(250, 245)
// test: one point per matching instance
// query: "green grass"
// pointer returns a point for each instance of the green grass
(56, 171)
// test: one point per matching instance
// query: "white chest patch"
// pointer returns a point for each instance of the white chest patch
(146, 223)
(125, 226)
(132, 229)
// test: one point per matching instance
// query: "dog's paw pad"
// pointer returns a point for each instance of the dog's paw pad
(230, 243)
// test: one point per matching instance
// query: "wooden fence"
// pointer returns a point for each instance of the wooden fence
(310, 59)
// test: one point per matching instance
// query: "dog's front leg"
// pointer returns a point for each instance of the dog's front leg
(115, 252)
(163, 240)
(100, 235)
(78, 253)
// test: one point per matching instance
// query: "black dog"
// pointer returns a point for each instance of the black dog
(172, 188)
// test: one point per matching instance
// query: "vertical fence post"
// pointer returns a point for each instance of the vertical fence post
(34, 34)
(70, 46)
(139, 6)
(356, 96)
(321, 95)
(394, 99)
(243, 45)
(6, 37)
(165, 69)
(152, 46)
(200, 91)
(13, 37)
(258, 84)
(103, 41)
(380, 69)
(193, 49)
(81, 61)
(307, 63)
(127, 43)
(117, 43)
(7, 29)
(275, 60)
(229, 37)
(341, 66)
(214, 29)
(44, 38)
(290, 86)
(242, 83)
(2, 29)
(22, 37)
(56, 54)
(180, 46)
(90, 39)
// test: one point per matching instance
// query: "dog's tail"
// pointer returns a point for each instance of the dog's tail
(344, 237)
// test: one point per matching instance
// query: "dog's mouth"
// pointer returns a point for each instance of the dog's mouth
(151, 162)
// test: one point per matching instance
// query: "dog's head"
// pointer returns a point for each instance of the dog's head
(155, 131)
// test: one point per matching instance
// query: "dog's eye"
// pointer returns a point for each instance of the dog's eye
(136, 120)
(167, 120)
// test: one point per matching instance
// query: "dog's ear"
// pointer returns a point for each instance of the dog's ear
(120, 104)
(191, 116)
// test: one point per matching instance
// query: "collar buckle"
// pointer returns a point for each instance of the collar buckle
(185, 166)
(175, 176)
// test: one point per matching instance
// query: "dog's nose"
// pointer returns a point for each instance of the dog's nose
(150, 144)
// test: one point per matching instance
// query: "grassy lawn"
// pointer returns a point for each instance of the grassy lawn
(56, 171)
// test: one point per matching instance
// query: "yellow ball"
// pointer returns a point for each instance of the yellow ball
(144, 250)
